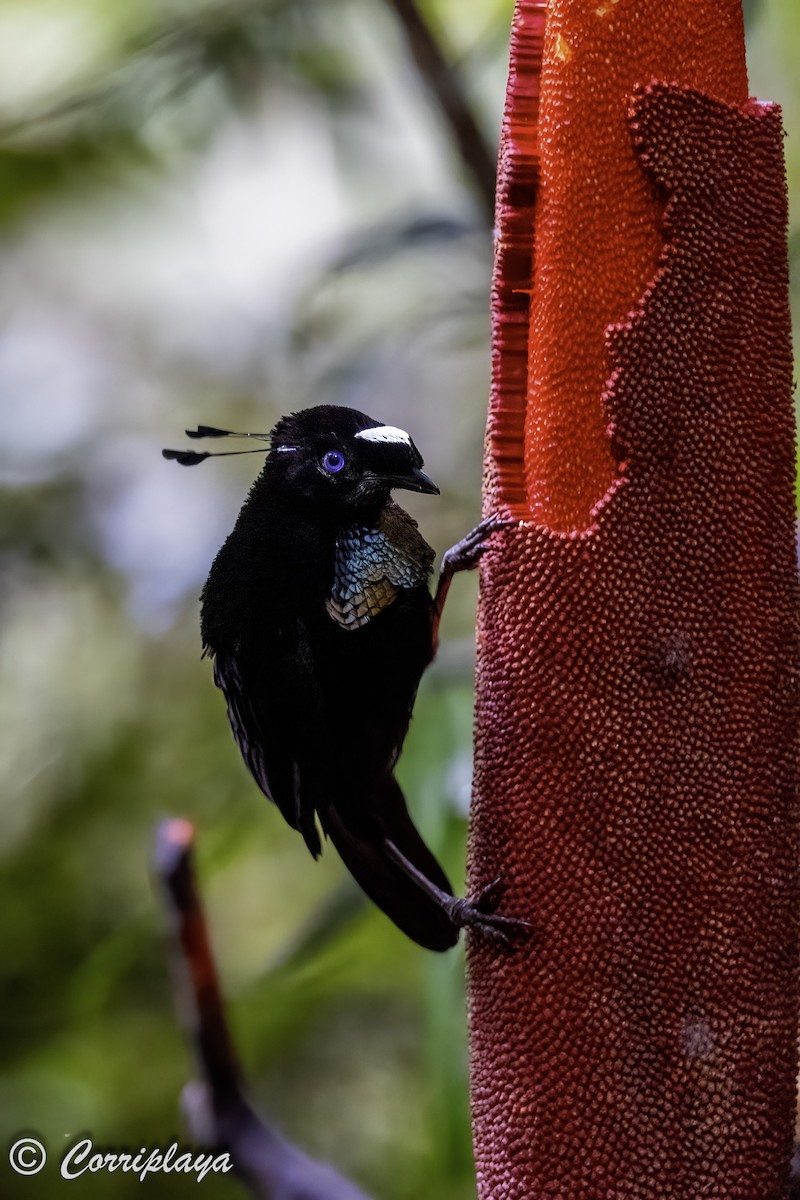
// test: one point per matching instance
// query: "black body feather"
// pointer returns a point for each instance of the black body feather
(318, 614)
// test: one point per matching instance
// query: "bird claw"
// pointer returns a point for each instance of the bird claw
(467, 553)
(481, 915)
(489, 898)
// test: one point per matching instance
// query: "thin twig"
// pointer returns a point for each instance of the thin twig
(216, 1109)
(446, 87)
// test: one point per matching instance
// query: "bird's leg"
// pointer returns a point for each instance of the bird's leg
(480, 914)
(464, 556)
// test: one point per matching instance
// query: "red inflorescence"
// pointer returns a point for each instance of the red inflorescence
(596, 235)
(637, 726)
(517, 180)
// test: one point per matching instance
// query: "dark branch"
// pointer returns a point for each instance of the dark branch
(216, 1109)
(443, 82)
(794, 1184)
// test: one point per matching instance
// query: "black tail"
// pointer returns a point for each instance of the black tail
(383, 880)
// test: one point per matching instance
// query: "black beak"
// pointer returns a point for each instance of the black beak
(415, 481)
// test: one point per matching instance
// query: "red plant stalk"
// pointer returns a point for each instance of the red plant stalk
(635, 779)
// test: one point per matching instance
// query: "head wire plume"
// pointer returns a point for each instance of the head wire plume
(190, 458)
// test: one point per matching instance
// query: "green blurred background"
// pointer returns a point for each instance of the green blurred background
(219, 212)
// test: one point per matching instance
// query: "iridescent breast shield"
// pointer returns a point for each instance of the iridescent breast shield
(372, 564)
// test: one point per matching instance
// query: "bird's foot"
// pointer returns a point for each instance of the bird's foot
(467, 553)
(481, 915)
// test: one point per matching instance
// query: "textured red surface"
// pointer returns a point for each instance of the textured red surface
(597, 239)
(517, 185)
(637, 710)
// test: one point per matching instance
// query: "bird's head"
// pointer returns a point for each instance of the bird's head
(333, 456)
(343, 457)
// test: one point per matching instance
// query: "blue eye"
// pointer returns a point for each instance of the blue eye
(333, 461)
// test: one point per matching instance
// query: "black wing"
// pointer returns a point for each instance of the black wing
(275, 711)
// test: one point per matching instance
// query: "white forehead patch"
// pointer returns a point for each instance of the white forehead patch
(287, 449)
(385, 433)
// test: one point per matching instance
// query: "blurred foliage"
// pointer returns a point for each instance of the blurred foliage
(220, 211)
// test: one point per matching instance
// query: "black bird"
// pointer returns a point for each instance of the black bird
(320, 622)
